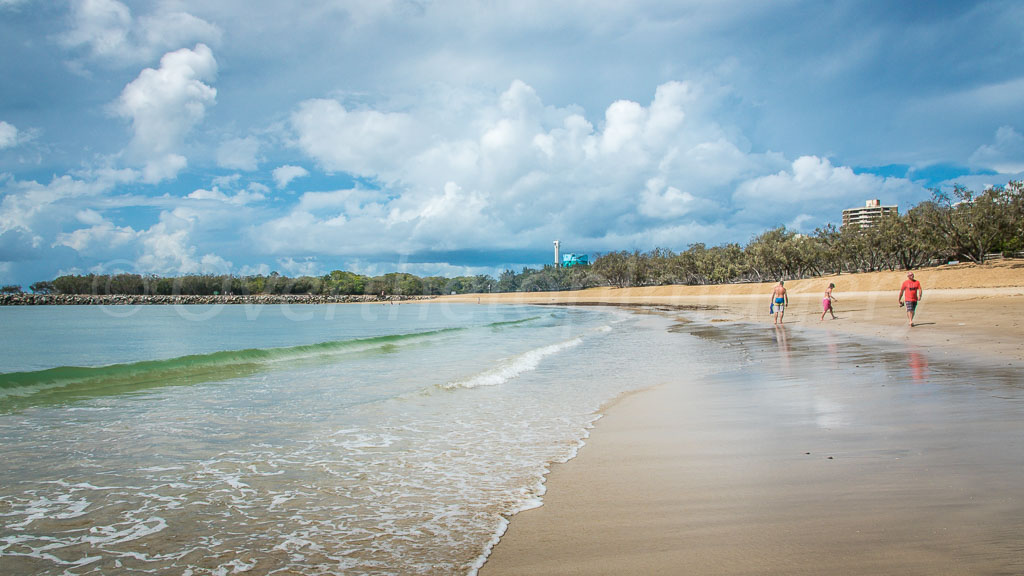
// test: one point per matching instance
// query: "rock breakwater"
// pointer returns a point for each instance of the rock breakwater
(182, 299)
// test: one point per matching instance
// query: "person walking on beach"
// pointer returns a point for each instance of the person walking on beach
(826, 302)
(910, 291)
(780, 299)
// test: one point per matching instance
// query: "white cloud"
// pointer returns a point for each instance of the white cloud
(257, 270)
(108, 32)
(453, 220)
(364, 142)
(451, 151)
(213, 264)
(292, 267)
(38, 208)
(101, 25)
(90, 217)
(68, 223)
(103, 239)
(214, 194)
(240, 198)
(812, 185)
(664, 202)
(8, 135)
(283, 175)
(167, 248)
(1005, 155)
(239, 154)
(514, 171)
(164, 105)
(248, 196)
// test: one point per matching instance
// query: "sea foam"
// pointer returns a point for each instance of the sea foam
(513, 367)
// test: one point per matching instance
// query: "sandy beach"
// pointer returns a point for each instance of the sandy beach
(976, 309)
(862, 446)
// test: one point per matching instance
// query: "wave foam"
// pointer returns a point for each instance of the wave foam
(513, 367)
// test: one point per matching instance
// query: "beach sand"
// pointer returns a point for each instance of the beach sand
(849, 446)
(970, 308)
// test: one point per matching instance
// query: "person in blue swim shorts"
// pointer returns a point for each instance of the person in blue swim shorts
(780, 299)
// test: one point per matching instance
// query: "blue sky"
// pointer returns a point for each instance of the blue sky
(462, 137)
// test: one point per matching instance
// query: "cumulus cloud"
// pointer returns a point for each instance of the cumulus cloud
(514, 170)
(240, 198)
(283, 175)
(1005, 155)
(302, 267)
(813, 189)
(8, 135)
(38, 208)
(167, 248)
(449, 150)
(77, 224)
(107, 31)
(663, 202)
(101, 239)
(35, 218)
(164, 105)
(364, 142)
(239, 154)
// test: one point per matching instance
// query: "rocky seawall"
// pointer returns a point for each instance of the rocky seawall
(121, 299)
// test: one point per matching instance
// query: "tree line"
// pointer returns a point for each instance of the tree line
(959, 225)
(337, 282)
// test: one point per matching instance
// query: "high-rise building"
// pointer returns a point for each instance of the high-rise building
(868, 215)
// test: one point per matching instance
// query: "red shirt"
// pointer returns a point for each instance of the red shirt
(909, 290)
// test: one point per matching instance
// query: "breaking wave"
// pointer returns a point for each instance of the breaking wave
(512, 367)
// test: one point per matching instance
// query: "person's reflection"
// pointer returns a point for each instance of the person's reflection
(833, 350)
(918, 366)
(783, 344)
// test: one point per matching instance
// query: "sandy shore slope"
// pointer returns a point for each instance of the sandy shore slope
(918, 475)
(970, 308)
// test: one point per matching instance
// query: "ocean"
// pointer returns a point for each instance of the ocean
(302, 439)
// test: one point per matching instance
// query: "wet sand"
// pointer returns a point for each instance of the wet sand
(967, 308)
(855, 446)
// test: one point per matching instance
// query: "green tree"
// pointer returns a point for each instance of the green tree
(507, 282)
(830, 248)
(912, 243)
(341, 282)
(483, 283)
(42, 287)
(727, 263)
(436, 285)
(614, 268)
(971, 224)
(773, 255)
(255, 284)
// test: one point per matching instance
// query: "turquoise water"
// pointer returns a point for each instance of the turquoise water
(317, 439)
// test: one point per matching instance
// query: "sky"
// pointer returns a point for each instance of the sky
(463, 137)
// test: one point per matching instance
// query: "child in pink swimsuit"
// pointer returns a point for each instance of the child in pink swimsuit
(826, 302)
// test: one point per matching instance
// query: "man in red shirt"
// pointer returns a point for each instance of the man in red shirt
(910, 291)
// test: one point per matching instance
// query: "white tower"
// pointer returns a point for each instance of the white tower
(558, 258)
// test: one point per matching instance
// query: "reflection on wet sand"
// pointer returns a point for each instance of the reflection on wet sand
(918, 366)
(816, 452)
(782, 342)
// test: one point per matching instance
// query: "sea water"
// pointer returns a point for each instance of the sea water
(301, 439)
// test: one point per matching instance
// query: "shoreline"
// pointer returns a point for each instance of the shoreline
(970, 309)
(927, 483)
